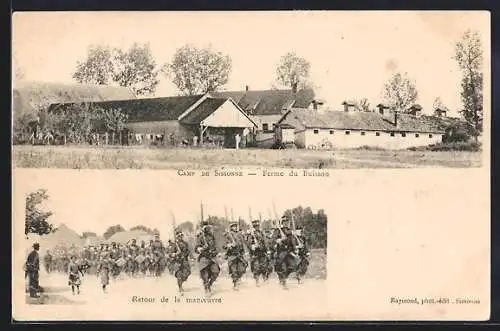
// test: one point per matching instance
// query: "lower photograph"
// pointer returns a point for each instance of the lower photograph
(100, 247)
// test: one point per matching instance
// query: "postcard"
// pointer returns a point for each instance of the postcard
(281, 165)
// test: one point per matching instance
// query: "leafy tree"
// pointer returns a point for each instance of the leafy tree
(37, 221)
(469, 56)
(97, 68)
(293, 71)
(186, 227)
(198, 71)
(113, 119)
(400, 92)
(314, 224)
(112, 230)
(134, 68)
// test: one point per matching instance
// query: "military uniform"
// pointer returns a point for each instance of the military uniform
(180, 259)
(47, 261)
(205, 246)
(303, 253)
(32, 269)
(158, 255)
(235, 249)
(74, 273)
(259, 255)
(104, 269)
(286, 259)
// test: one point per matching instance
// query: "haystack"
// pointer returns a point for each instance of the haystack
(32, 96)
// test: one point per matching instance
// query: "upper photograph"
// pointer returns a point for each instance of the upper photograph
(301, 89)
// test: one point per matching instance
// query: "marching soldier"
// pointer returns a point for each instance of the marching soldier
(286, 257)
(235, 249)
(32, 268)
(259, 259)
(74, 273)
(171, 249)
(303, 253)
(104, 269)
(180, 259)
(205, 247)
(47, 261)
(158, 254)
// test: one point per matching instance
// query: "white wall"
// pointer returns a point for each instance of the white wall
(339, 139)
(228, 115)
(269, 119)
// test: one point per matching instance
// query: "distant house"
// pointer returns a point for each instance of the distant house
(266, 107)
(351, 129)
(180, 118)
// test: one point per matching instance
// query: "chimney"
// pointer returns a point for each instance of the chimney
(315, 105)
(395, 118)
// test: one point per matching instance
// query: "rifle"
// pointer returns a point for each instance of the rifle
(175, 239)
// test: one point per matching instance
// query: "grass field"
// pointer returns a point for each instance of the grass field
(85, 157)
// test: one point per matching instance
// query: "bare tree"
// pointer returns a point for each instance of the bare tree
(400, 92)
(293, 71)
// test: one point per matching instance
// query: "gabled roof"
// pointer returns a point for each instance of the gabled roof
(203, 110)
(268, 102)
(362, 121)
(150, 109)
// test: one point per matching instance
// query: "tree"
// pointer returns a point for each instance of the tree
(113, 120)
(88, 234)
(97, 68)
(134, 68)
(186, 227)
(438, 104)
(144, 229)
(314, 225)
(112, 230)
(400, 92)
(364, 105)
(293, 71)
(198, 71)
(469, 56)
(37, 221)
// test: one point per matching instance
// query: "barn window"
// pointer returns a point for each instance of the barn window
(403, 134)
(417, 135)
(362, 133)
(430, 136)
(331, 131)
(392, 134)
(348, 132)
(377, 134)
(316, 131)
(265, 126)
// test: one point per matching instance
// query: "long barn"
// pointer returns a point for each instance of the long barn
(180, 119)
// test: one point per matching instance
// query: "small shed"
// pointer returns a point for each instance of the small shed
(415, 110)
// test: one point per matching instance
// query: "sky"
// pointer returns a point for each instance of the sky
(352, 54)
(88, 200)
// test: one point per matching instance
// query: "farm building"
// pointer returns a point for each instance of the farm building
(266, 107)
(351, 129)
(181, 118)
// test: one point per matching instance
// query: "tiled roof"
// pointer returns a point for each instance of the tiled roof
(369, 121)
(268, 102)
(203, 110)
(151, 109)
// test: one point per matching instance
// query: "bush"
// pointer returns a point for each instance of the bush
(369, 148)
(280, 145)
(462, 146)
